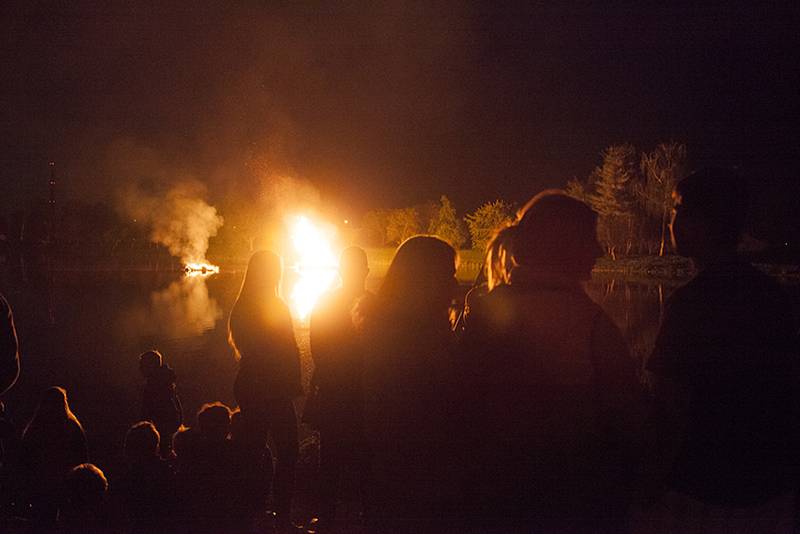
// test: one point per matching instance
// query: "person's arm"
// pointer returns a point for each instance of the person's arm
(9, 347)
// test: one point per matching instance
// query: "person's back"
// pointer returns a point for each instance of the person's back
(269, 365)
(407, 388)
(208, 473)
(726, 341)
(147, 489)
(52, 444)
(83, 506)
(336, 348)
(335, 407)
(550, 389)
(261, 333)
(725, 362)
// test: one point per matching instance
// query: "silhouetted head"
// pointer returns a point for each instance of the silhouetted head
(353, 267)
(709, 213)
(54, 399)
(53, 405)
(421, 277)
(149, 361)
(85, 491)
(263, 276)
(214, 419)
(52, 412)
(183, 441)
(499, 256)
(141, 442)
(557, 234)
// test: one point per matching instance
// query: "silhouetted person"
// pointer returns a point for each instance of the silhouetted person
(725, 372)
(338, 359)
(160, 402)
(209, 474)
(550, 389)
(246, 490)
(9, 347)
(147, 490)
(213, 473)
(407, 388)
(52, 444)
(497, 265)
(83, 507)
(260, 331)
(184, 443)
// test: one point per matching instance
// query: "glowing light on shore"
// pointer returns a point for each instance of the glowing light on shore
(194, 269)
(316, 266)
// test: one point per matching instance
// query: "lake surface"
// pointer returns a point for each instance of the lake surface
(84, 331)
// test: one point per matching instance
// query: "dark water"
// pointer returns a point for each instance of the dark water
(84, 331)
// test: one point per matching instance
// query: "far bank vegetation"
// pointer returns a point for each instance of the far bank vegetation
(630, 190)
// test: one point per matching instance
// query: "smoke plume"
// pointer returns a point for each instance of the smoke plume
(180, 219)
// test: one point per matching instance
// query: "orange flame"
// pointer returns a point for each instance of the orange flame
(316, 266)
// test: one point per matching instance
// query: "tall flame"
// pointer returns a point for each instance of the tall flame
(316, 266)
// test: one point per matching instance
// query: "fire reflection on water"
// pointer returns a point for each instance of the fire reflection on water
(183, 309)
(186, 305)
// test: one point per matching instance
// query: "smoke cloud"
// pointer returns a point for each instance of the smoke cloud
(180, 219)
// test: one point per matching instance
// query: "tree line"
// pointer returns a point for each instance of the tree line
(384, 227)
(632, 194)
(630, 191)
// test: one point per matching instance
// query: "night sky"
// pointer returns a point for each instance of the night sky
(388, 104)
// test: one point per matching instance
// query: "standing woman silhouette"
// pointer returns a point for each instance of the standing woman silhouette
(261, 334)
(407, 391)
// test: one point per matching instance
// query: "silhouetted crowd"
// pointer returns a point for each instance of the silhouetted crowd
(525, 412)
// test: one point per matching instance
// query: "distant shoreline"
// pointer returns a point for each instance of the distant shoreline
(669, 268)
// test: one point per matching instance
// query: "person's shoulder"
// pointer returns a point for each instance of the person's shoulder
(493, 308)
(498, 294)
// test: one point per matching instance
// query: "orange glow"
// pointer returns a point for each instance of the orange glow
(316, 265)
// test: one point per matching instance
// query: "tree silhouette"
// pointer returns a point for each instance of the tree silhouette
(487, 219)
(447, 225)
(661, 170)
(613, 196)
(401, 224)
